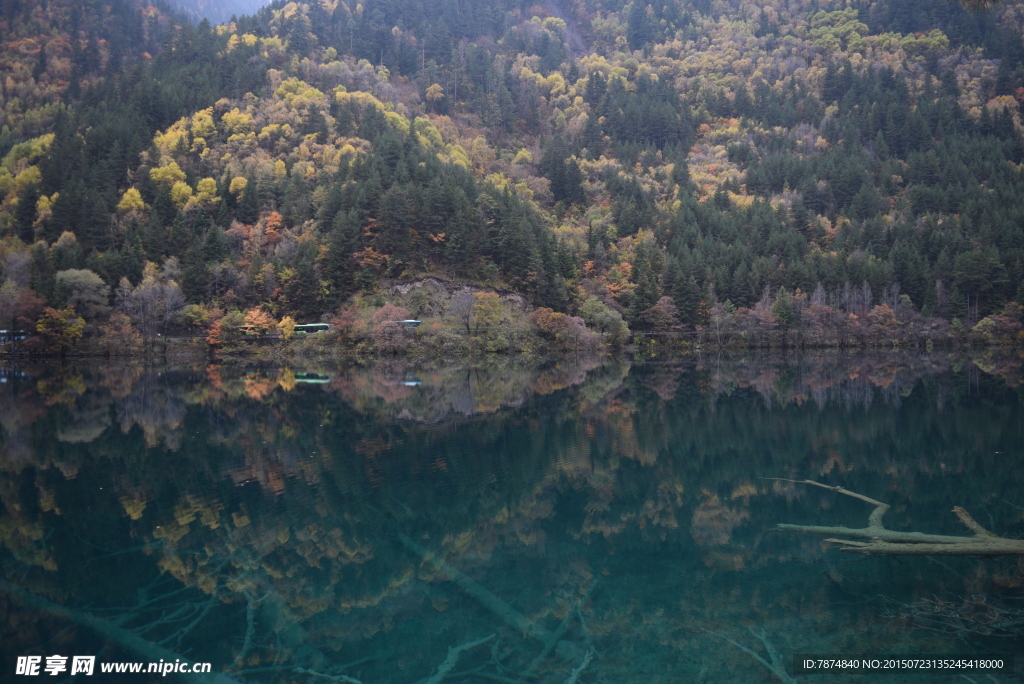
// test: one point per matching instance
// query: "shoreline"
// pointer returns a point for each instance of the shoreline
(643, 344)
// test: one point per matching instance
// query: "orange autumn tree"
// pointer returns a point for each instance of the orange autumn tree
(214, 336)
(259, 322)
(224, 329)
(272, 222)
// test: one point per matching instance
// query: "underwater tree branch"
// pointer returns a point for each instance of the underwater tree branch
(454, 653)
(892, 543)
(563, 627)
(124, 638)
(184, 631)
(484, 596)
(575, 675)
(334, 678)
(776, 666)
(250, 627)
(487, 675)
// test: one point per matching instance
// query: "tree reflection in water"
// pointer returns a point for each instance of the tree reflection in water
(605, 521)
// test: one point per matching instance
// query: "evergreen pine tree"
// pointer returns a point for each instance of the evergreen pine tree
(215, 247)
(301, 292)
(154, 239)
(646, 293)
(782, 309)
(686, 296)
(194, 276)
(671, 276)
(338, 265)
(248, 211)
(25, 212)
(132, 256)
(41, 271)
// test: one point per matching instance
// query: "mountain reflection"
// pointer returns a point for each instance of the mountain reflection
(268, 519)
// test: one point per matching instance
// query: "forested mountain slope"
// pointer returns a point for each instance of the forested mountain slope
(217, 11)
(755, 163)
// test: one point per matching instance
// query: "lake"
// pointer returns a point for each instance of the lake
(586, 520)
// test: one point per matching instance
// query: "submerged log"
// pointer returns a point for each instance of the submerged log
(777, 666)
(883, 542)
(126, 639)
(454, 653)
(509, 615)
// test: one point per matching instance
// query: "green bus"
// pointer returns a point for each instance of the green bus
(308, 328)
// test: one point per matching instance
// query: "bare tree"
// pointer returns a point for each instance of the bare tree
(461, 308)
(980, 5)
(15, 268)
(818, 298)
(154, 302)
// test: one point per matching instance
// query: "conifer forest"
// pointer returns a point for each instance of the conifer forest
(736, 173)
(530, 342)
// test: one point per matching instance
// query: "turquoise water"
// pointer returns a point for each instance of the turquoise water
(360, 522)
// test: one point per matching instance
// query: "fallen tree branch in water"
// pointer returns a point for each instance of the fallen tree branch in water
(971, 616)
(890, 543)
(334, 678)
(559, 633)
(484, 596)
(777, 666)
(250, 628)
(491, 602)
(454, 652)
(487, 675)
(314, 673)
(178, 636)
(124, 638)
(575, 675)
(563, 627)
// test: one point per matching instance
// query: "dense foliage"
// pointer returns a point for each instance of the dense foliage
(757, 160)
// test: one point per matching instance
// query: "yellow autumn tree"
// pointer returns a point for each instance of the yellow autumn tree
(167, 175)
(131, 200)
(207, 193)
(181, 193)
(286, 327)
(487, 311)
(435, 93)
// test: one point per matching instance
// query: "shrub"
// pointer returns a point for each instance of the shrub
(388, 332)
(567, 332)
(347, 324)
(119, 336)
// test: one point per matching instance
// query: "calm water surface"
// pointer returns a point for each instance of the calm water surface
(360, 522)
